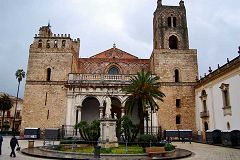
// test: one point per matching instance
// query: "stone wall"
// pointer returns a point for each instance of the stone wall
(168, 110)
(164, 62)
(44, 106)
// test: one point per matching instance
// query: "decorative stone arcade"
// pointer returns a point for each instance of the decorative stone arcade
(87, 97)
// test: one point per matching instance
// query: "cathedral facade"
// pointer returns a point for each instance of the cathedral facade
(63, 89)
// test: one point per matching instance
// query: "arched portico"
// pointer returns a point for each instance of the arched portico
(90, 109)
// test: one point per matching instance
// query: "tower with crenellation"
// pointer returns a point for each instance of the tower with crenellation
(51, 58)
(176, 65)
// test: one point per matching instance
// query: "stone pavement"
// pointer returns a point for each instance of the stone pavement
(209, 152)
(6, 150)
(201, 151)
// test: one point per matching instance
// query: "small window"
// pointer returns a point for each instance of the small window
(55, 43)
(205, 126)
(48, 74)
(63, 43)
(176, 75)
(204, 106)
(169, 21)
(173, 42)
(225, 95)
(178, 103)
(48, 43)
(178, 119)
(113, 70)
(174, 21)
(40, 43)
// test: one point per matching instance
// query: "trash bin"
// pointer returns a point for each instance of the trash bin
(30, 143)
(97, 151)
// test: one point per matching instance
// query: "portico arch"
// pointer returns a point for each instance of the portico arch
(90, 109)
(116, 107)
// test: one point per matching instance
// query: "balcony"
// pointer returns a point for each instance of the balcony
(76, 78)
(204, 114)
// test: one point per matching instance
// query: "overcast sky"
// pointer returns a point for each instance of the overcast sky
(214, 29)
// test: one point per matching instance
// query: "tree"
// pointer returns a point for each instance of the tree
(20, 74)
(5, 105)
(143, 91)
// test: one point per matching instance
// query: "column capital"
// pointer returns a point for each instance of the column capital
(79, 108)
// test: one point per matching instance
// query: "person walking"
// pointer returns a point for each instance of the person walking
(1, 140)
(13, 143)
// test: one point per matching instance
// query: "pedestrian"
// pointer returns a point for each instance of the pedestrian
(13, 143)
(190, 138)
(1, 140)
(183, 140)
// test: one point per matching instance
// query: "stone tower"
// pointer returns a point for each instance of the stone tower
(51, 58)
(176, 65)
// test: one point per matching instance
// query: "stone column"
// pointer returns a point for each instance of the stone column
(122, 111)
(101, 112)
(79, 110)
(69, 109)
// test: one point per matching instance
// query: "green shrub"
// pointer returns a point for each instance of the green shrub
(168, 147)
(106, 150)
(147, 138)
(144, 140)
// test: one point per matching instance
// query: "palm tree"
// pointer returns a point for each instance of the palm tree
(143, 91)
(20, 74)
(5, 105)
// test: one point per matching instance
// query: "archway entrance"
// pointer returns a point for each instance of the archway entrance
(134, 116)
(173, 42)
(116, 107)
(90, 109)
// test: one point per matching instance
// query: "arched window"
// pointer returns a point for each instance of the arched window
(176, 75)
(204, 106)
(178, 119)
(48, 43)
(113, 70)
(205, 126)
(63, 43)
(204, 94)
(174, 21)
(55, 43)
(173, 42)
(169, 22)
(49, 74)
(40, 43)
(228, 126)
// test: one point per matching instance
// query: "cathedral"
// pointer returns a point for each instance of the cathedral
(63, 89)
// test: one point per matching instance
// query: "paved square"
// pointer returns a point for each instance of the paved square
(201, 151)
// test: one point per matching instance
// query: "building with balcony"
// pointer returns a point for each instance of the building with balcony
(9, 115)
(217, 98)
(62, 88)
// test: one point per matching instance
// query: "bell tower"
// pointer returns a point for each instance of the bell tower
(170, 27)
(176, 65)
